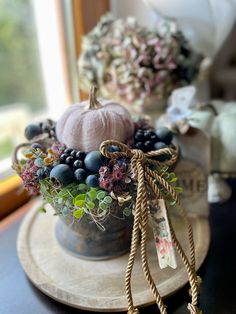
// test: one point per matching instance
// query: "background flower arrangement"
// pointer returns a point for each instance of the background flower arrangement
(130, 62)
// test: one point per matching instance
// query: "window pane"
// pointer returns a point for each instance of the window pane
(21, 86)
(20, 77)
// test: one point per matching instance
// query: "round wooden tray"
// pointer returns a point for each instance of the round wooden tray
(98, 285)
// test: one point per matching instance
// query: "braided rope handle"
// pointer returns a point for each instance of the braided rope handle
(15, 159)
(37, 139)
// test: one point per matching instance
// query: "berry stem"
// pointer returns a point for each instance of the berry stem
(93, 102)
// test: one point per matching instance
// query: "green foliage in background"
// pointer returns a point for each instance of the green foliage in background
(6, 148)
(20, 77)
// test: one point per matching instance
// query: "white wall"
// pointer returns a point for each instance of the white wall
(137, 8)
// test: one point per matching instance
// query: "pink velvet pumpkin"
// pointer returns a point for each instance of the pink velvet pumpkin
(86, 125)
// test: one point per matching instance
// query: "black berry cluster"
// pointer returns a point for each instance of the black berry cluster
(73, 158)
(145, 139)
(77, 166)
(150, 139)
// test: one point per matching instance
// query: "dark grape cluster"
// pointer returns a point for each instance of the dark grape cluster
(73, 158)
(149, 139)
(145, 139)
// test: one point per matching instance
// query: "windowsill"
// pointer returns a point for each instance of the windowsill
(12, 195)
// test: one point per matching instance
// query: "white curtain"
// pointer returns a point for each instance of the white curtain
(206, 23)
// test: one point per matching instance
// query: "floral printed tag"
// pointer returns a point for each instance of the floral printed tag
(162, 236)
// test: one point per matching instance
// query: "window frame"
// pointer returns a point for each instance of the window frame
(71, 22)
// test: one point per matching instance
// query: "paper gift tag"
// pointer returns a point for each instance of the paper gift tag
(161, 230)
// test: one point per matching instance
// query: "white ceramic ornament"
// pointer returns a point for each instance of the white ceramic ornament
(217, 119)
(218, 190)
(86, 125)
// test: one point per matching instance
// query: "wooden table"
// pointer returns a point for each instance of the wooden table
(218, 296)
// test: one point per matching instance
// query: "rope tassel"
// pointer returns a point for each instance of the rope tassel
(149, 179)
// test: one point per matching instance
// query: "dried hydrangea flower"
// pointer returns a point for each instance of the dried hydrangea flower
(131, 62)
(114, 176)
(29, 177)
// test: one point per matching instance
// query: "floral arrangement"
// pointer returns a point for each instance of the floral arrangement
(130, 62)
(68, 180)
(98, 167)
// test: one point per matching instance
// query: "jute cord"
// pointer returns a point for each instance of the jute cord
(148, 179)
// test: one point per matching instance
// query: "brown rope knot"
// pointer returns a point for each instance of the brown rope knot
(140, 163)
(150, 180)
(138, 155)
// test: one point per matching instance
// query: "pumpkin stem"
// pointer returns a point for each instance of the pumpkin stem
(93, 102)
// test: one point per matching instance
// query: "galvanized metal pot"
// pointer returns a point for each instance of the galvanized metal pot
(84, 239)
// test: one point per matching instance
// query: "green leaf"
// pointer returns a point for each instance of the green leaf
(127, 211)
(179, 189)
(103, 206)
(80, 197)
(92, 194)
(42, 210)
(63, 193)
(79, 203)
(172, 203)
(78, 213)
(90, 205)
(108, 200)
(82, 187)
(171, 176)
(101, 195)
